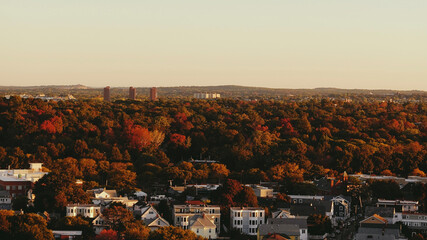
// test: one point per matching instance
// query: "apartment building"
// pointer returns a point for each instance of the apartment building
(247, 219)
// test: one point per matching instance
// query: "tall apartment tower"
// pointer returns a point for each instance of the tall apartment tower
(107, 93)
(132, 93)
(153, 94)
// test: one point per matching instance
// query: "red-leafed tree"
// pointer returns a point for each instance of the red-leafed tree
(137, 136)
(107, 235)
(53, 125)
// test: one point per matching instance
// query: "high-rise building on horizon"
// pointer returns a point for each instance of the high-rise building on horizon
(153, 94)
(132, 93)
(107, 93)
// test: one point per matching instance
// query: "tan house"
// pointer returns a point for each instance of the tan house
(203, 227)
(185, 216)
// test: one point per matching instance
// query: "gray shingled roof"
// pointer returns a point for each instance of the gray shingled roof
(385, 212)
(288, 229)
(301, 222)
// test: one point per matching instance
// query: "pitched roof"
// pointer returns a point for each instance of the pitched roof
(203, 221)
(97, 191)
(375, 219)
(153, 221)
(146, 209)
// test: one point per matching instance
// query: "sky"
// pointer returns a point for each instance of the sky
(364, 44)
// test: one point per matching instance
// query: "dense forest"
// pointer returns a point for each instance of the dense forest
(133, 144)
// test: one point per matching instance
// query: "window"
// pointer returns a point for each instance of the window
(260, 214)
(19, 187)
(158, 222)
(303, 231)
(210, 230)
(341, 208)
(197, 230)
(7, 187)
(300, 201)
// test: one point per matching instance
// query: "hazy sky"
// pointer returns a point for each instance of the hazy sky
(268, 43)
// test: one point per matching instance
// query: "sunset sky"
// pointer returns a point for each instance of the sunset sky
(374, 44)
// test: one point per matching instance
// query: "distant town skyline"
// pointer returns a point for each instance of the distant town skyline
(275, 44)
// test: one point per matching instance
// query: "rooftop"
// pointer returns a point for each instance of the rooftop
(386, 212)
(301, 222)
(288, 229)
(12, 179)
(247, 208)
(82, 205)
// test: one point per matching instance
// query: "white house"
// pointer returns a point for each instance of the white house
(85, 210)
(247, 219)
(186, 215)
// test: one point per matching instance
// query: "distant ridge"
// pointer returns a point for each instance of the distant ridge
(65, 87)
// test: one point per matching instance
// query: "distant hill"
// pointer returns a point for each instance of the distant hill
(78, 86)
